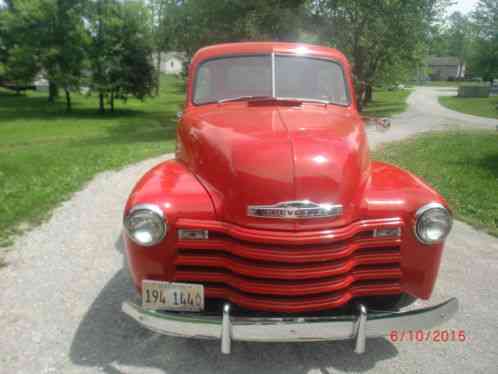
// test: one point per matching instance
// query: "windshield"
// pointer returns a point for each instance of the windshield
(295, 77)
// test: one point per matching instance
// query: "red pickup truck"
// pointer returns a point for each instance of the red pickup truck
(272, 223)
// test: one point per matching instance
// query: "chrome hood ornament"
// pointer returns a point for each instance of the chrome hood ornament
(303, 209)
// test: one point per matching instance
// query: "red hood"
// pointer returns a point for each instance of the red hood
(263, 155)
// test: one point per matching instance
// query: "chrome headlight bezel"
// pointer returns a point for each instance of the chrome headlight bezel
(423, 214)
(153, 212)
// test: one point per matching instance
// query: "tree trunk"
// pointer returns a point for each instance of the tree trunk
(368, 94)
(112, 101)
(68, 100)
(53, 91)
(101, 103)
(158, 72)
(360, 95)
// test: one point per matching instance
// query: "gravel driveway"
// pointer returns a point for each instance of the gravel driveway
(61, 295)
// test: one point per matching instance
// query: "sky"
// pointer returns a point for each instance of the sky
(463, 6)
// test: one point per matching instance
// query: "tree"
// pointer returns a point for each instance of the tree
(379, 37)
(203, 22)
(67, 37)
(18, 53)
(485, 60)
(163, 35)
(134, 73)
(121, 51)
(455, 37)
(460, 35)
(45, 36)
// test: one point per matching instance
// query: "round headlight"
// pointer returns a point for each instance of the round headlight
(433, 223)
(145, 224)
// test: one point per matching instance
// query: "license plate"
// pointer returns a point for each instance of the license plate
(172, 296)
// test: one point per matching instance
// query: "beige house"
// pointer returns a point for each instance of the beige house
(445, 68)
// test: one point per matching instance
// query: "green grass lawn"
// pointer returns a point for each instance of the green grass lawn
(462, 166)
(47, 154)
(387, 103)
(477, 106)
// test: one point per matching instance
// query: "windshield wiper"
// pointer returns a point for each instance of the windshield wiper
(247, 97)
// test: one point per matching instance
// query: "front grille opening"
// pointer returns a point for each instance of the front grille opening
(313, 278)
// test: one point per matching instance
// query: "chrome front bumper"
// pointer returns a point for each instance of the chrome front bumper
(227, 328)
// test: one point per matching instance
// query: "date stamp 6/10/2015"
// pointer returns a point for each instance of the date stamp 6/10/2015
(419, 336)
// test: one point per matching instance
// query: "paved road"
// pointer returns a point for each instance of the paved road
(61, 295)
(426, 114)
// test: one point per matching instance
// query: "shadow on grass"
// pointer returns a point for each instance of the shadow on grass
(489, 163)
(29, 108)
(14, 107)
(129, 125)
(152, 127)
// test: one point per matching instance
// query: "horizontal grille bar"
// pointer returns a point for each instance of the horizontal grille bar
(263, 269)
(289, 238)
(285, 287)
(301, 304)
(285, 253)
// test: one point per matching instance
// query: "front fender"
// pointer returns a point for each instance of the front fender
(174, 189)
(394, 192)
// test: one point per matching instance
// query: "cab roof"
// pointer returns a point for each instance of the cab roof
(243, 48)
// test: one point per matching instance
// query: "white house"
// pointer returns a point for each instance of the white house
(172, 62)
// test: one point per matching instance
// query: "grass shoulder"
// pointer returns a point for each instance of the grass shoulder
(462, 166)
(477, 106)
(386, 103)
(46, 154)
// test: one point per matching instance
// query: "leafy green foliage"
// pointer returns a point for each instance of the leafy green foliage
(198, 23)
(134, 74)
(485, 61)
(455, 37)
(45, 36)
(121, 50)
(71, 42)
(383, 39)
(463, 166)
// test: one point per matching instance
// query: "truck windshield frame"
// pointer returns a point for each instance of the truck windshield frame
(274, 71)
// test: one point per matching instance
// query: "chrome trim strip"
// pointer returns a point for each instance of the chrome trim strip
(151, 207)
(427, 207)
(376, 324)
(181, 233)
